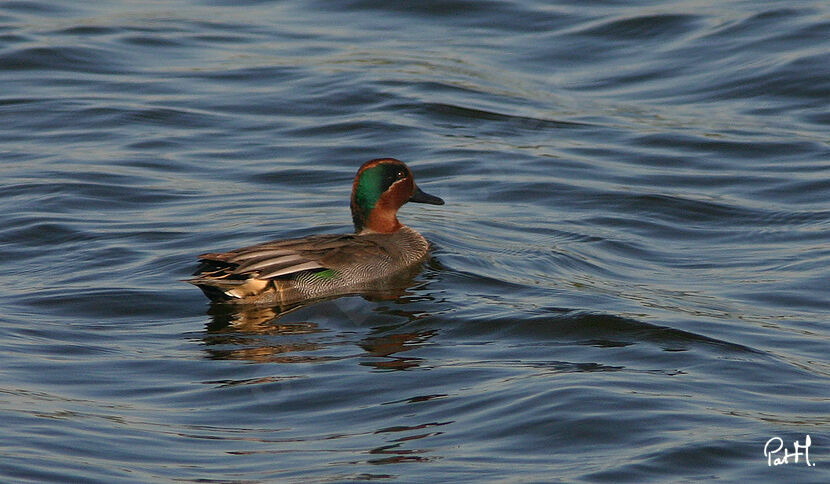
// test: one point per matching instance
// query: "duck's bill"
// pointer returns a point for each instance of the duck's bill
(421, 197)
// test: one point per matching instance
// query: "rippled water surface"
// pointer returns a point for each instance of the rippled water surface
(629, 280)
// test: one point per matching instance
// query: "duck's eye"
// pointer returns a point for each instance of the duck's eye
(400, 175)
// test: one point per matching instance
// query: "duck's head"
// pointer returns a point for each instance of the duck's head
(380, 187)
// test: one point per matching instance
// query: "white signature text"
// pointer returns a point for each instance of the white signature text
(776, 445)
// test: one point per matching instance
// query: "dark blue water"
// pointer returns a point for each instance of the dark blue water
(629, 280)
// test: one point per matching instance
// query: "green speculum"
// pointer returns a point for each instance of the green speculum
(326, 274)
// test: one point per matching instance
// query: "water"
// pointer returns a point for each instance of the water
(629, 279)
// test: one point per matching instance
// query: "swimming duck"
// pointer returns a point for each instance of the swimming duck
(283, 272)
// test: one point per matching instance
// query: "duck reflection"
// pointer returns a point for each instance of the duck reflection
(386, 346)
(267, 334)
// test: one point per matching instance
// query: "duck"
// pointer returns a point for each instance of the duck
(292, 271)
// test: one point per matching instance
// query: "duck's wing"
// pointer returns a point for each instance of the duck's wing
(279, 258)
